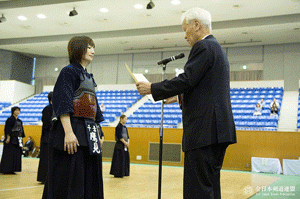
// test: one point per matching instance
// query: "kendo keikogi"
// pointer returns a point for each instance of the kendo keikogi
(82, 170)
(85, 106)
(86, 117)
(12, 152)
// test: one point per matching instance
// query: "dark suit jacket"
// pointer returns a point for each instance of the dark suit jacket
(206, 107)
(29, 145)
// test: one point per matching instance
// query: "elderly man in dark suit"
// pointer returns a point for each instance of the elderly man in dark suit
(208, 125)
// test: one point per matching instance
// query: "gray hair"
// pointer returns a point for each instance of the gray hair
(197, 13)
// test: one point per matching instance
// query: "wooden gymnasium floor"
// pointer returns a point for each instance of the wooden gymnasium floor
(142, 183)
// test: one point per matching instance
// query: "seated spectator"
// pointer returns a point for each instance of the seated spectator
(28, 147)
(274, 101)
(274, 109)
(261, 103)
(257, 110)
(2, 138)
(102, 107)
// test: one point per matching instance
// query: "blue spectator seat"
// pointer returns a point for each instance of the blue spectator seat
(4, 105)
(298, 121)
(149, 115)
(243, 101)
(116, 102)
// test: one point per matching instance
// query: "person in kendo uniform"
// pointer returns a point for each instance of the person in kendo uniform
(47, 116)
(75, 158)
(120, 165)
(12, 151)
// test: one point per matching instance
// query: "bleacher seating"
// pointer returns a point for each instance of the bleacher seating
(4, 105)
(149, 115)
(116, 102)
(243, 101)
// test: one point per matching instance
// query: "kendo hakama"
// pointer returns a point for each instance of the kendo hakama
(77, 175)
(120, 165)
(44, 146)
(12, 152)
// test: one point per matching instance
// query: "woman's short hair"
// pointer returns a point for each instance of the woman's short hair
(50, 96)
(197, 13)
(77, 47)
(15, 108)
(122, 117)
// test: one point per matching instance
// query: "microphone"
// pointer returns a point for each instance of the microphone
(165, 61)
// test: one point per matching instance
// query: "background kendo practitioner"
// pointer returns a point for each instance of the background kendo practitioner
(47, 116)
(120, 164)
(75, 160)
(12, 152)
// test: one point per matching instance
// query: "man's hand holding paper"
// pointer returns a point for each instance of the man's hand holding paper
(144, 88)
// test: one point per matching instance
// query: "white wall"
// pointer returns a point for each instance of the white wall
(48, 88)
(5, 64)
(251, 54)
(104, 69)
(116, 87)
(123, 77)
(234, 84)
(102, 87)
(44, 67)
(273, 62)
(13, 91)
(280, 62)
(291, 66)
(283, 62)
(143, 61)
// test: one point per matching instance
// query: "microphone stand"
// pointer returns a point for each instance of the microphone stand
(161, 138)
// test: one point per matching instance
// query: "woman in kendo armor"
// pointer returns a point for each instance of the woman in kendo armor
(47, 117)
(120, 164)
(11, 161)
(75, 158)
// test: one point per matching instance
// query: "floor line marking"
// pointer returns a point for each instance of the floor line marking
(21, 188)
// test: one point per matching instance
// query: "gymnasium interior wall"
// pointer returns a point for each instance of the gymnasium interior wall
(14, 91)
(266, 144)
(15, 66)
(280, 62)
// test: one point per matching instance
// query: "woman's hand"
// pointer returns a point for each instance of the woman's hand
(71, 143)
(101, 141)
(7, 140)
